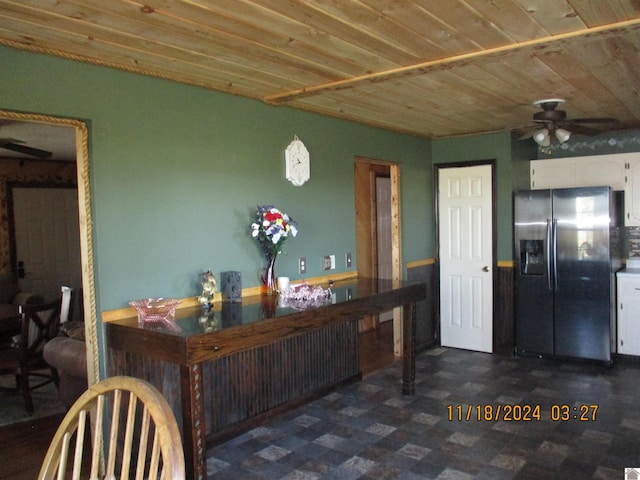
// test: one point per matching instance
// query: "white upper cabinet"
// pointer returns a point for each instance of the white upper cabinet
(632, 193)
(620, 171)
(601, 170)
(553, 173)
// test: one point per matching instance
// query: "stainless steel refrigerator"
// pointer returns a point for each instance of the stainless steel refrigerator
(567, 253)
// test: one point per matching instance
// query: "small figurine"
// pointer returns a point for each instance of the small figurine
(209, 322)
(209, 289)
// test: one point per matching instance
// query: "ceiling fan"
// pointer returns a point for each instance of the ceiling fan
(551, 121)
(18, 146)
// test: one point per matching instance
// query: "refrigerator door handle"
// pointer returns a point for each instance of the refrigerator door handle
(554, 228)
(549, 241)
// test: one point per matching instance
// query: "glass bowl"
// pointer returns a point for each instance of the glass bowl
(155, 310)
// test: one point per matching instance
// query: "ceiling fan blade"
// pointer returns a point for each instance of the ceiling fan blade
(523, 132)
(10, 140)
(527, 135)
(34, 152)
(579, 129)
(593, 120)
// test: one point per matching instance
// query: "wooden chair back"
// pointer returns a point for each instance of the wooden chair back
(134, 419)
(40, 323)
(23, 357)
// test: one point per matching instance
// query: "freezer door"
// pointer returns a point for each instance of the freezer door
(533, 288)
(582, 277)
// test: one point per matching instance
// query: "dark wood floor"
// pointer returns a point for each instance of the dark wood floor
(23, 445)
(376, 349)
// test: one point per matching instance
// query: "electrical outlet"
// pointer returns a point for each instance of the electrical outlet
(302, 265)
(326, 262)
(347, 260)
(333, 261)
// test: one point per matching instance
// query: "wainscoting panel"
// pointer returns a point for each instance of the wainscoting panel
(504, 323)
(426, 325)
(242, 387)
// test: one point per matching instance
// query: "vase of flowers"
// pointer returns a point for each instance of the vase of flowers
(271, 228)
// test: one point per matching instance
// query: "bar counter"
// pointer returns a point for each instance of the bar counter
(226, 370)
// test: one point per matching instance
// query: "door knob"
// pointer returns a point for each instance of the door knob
(486, 268)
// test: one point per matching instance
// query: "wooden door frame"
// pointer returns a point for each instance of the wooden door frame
(365, 172)
(494, 238)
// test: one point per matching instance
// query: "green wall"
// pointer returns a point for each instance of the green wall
(176, 173)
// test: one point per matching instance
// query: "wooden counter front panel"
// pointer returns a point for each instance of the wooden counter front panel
(249, 383)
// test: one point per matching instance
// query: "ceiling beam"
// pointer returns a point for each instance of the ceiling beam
(418, 68)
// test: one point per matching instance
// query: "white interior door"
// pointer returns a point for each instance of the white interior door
(47, 239)
(383, 225)
(466, 257)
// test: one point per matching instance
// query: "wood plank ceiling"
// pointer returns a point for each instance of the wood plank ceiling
(429, 68)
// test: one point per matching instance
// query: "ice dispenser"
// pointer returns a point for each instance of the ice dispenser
(532, 257)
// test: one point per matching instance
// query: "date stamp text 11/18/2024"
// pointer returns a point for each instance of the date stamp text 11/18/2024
(522, 413)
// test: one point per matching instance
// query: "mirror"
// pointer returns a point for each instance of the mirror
(84, 207)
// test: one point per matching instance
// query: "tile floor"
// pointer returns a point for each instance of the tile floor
(368, 430)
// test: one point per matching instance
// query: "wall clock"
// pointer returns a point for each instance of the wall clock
(297, 169)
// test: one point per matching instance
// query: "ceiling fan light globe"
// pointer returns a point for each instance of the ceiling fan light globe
(541, 137)
(562, 135)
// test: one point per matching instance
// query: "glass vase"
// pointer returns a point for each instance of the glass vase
(269, 285)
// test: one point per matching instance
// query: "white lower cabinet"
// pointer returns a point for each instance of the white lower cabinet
(629, 314)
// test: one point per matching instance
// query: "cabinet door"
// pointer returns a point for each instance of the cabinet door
(553, 173)
(628, 315)
(632, 192)
(602, 170)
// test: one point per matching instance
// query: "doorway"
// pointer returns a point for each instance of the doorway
(466, 252)
(366, 173)
(384, 237)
